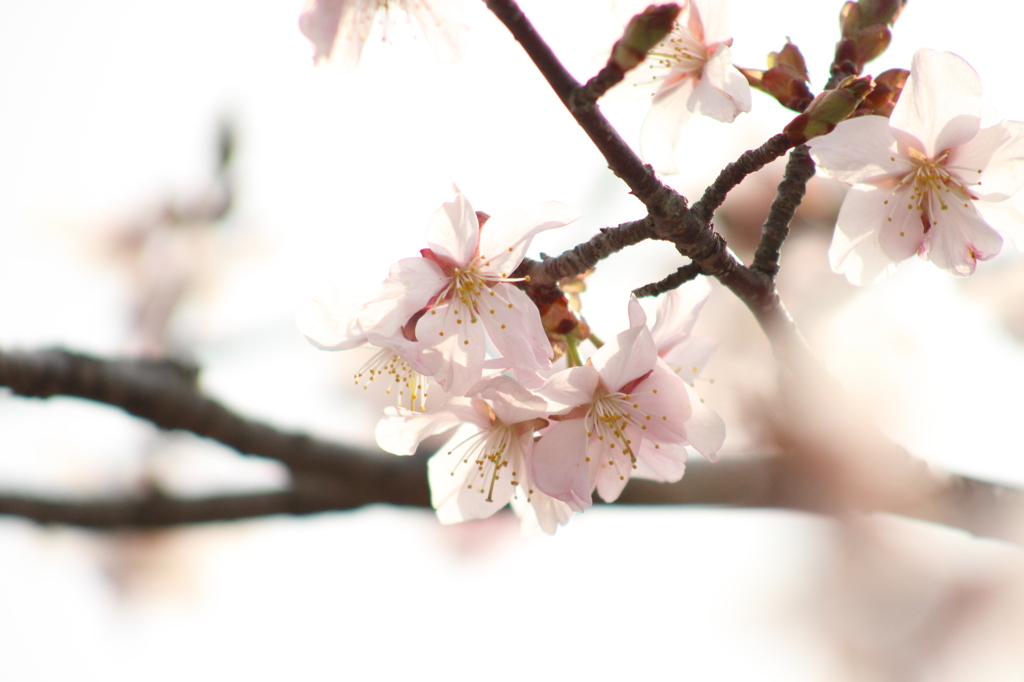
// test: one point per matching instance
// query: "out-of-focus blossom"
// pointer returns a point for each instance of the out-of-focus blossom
(338, 29)
(485, 465)
(931, 180)
(624, 408)
(695, 73)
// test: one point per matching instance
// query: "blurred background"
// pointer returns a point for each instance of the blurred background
(175, 178)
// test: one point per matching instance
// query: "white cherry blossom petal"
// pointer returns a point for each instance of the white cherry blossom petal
(663, 127)
(998, 152)
(860, 150)
(460, 339)
(722, 93)
(677, 313)
(705, 430)
(515, 328)
(1006, 217)
(627, 358)
(941, 102)
(443, 27)
(400, 431)
(338, 30)
(570, 387)
(454, 231)
(661, 464)
(540, 510)
(410, 285)
(511, 402)
(506, 236)
(855, 250)
(961, 239)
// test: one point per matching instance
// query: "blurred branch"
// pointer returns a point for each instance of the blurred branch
(779, 481)
(167, 394)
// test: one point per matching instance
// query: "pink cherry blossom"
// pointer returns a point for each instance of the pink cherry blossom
(460, 293)
(932, 180)
(485, 465)
(338, 29)
(624, 409)
(694, 68)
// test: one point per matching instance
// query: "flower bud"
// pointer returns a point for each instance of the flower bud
(828, 109)
(785, 80)
(644, 31)
(882, 99)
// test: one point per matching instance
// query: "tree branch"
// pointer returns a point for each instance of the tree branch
(799, 170)
(581, 258)
(167, 396)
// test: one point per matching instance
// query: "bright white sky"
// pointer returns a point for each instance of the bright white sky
(109, 107)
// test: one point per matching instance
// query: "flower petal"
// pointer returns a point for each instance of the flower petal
(514, 327)
(338, 30)
(705, 430)
(570, 387)
(400, 431)
(677, 313)
(860, 150)
(441, 23)
(451, 330)
(505, 237)
(855, 250)
(721, 92)
(512, 403)
(631, 355)
(537, 509)
(454, 231)
(325, 322)
(960, 239)
(663, 126)
(1006, 217)
(941, 102)
(661, 464)
(410, 285)
(998, 151)
(559, 467)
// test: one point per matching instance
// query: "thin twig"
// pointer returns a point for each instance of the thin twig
(581, 258)
(733, 174)
(673, 281)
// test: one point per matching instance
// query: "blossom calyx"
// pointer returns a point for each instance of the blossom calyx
(644, 31)
(828, 109)
(786, 78)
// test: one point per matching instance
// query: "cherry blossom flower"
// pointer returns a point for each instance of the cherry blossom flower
(694, 67)
(338, 29)
(932, 180)
(459, 293)
(485, 465)
(623, 409)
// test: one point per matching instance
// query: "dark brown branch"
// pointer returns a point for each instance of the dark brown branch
(169, 398)
(733, 174)
(791, 192)
(581, 258)
(673, 281)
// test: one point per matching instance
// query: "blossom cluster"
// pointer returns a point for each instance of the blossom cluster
(540, 437)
